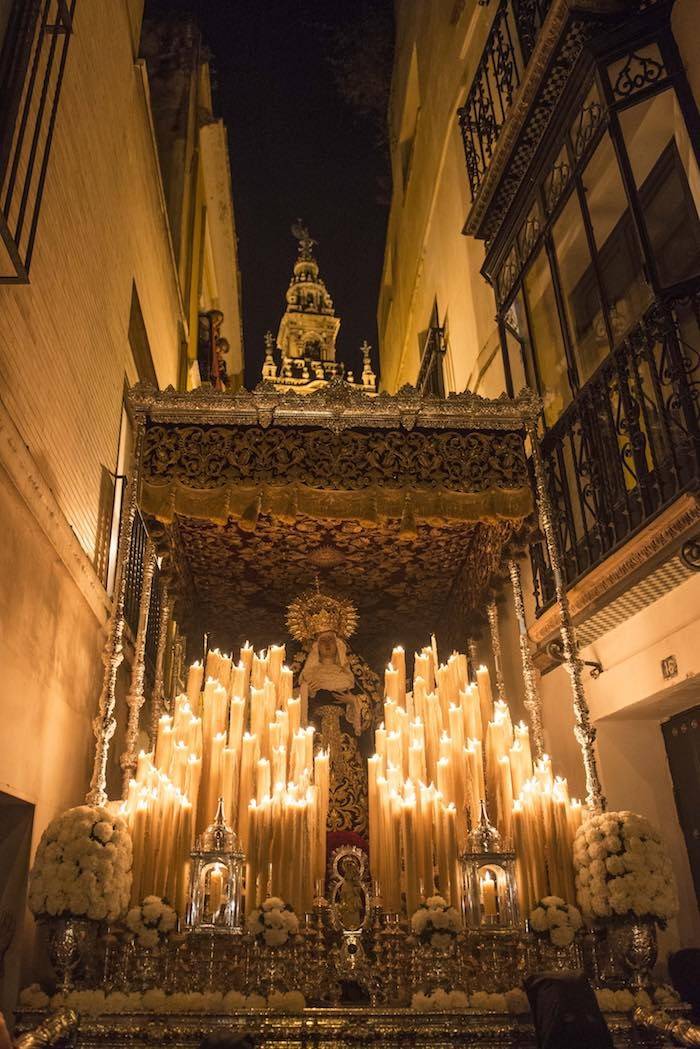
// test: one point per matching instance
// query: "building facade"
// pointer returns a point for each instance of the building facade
(544, 232)
(118, 249)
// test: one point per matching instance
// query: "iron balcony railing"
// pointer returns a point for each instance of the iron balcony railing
(32, 63)
(628, 444)
(133, 588)
(508, 49)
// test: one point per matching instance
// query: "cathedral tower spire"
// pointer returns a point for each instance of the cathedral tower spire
(306, 349)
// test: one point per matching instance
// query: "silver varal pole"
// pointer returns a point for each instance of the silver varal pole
(583, 729)
(492, 613)
(157, 696)
(533, 703)
(135, 696)
(105, 723)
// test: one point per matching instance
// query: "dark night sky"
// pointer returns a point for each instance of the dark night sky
(297, 149)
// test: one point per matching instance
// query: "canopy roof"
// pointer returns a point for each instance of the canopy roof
(401, 503)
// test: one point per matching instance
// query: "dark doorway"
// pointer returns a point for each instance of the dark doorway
(682, 739)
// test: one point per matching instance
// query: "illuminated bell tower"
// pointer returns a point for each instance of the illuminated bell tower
(303, 358)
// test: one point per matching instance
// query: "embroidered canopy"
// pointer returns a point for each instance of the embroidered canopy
(402, 503)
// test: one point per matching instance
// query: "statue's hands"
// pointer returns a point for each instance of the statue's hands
(353, 709)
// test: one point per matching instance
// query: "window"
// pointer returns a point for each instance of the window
(432, 343)
(625, 290)
(33, 50)
(664, 169)
(611, 225)
(550, 359)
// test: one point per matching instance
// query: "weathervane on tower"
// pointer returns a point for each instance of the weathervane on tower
(303, 357)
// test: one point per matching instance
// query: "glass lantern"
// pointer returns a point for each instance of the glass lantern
(216, 879)
(489, 897)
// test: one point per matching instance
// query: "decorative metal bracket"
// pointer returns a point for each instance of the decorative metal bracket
(555, 650)
(690, 553)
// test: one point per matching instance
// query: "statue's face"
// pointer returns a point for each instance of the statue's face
(327, 646)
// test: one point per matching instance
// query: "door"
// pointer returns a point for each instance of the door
(682, 739)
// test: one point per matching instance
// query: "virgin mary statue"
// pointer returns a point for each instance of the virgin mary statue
(338, 707)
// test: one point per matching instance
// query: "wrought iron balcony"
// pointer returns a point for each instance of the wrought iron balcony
(508, 49)
(32, 63)
(629, 443)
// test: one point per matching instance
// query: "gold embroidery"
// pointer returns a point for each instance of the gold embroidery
(347, 802)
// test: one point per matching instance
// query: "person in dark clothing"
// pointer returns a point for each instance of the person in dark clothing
(566, 1013)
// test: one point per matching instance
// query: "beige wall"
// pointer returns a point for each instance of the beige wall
(65, 350)
(628, 703)
(64, 359)
(427, 256)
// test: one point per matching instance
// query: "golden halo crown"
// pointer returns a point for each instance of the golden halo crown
(313, 612)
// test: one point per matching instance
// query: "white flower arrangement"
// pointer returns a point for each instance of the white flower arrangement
(513, 1001)
(623, 869)
(622, 1001)
(82, 867)
(155, 1000)
(555, 920)
(273, 923)
(436, 923)
(151, 922)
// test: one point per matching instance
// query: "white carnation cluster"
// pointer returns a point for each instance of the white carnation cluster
(152, 922)
(556, 920)
(436, 923)
(513, 1001)
(155, 1000)
(623, 869)
(273, 923)
(82, 867)
(622, 1001)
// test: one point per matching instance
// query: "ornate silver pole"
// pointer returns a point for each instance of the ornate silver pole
(492, 613)
(473, 657)
(135, 696)
(105, 723)
(166, 608)
(533, 703)
(178, 658)
(583, 729)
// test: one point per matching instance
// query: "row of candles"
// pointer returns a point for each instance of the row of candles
(444, 748)
(236, 733)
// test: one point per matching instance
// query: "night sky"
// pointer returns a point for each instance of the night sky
(297, 149)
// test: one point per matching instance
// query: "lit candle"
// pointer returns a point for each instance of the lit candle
(391, 684)
(294, 713)
(195, 676)
(483, 681)
(471, 712)
(488, 896)
(235, 729)
(245, 789)
(216, 889)
(262, 779)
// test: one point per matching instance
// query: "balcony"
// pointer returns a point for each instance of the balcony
(508, 49)
(524, 75)
(628, 446)
(32, 63)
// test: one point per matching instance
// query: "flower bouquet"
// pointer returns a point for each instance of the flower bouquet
(624, 883)
(553, 924)
(151, 922)
(554, 920)
(436, 923)
(81, 876)
(82, 867)
(623, 869)
(272, 924)
(148, 927)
